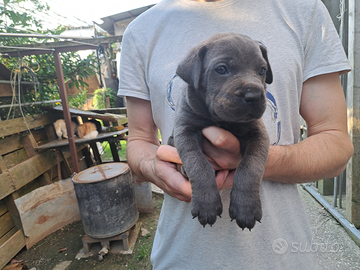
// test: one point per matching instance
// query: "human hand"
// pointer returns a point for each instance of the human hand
(169, 178)
(221, 148)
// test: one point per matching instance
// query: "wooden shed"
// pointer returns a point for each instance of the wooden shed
(25, 166)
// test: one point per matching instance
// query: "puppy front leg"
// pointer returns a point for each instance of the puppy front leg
(245, 203)
(205, 199)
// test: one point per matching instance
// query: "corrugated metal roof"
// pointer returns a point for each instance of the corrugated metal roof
(108, 24)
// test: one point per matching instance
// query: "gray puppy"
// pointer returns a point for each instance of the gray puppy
(226, 76)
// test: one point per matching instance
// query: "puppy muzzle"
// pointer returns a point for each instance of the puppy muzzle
(243, 106)
(250, 95)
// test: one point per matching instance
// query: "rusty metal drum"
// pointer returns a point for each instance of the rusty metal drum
(106, 199)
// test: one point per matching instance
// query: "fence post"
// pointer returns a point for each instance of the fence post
(353, 106)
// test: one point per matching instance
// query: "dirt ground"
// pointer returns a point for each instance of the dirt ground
(50, 253)
(58, 250)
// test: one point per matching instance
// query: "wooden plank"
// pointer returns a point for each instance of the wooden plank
(7, 236)
(40, 135)
(32, 168)
(28, 187)
(10, 144)
(3, 208)
(15, 158)
(121, 110)
(121, 119)
(45, 179)
(102, 136)
(13, 126)
(50, 132)
(14, 213)
(88, 114)
(5, 90)
(11, 247)
(29, 145)
(47, 209)
(6, 224)
(7, 185)
(66, 169)
(2, 165)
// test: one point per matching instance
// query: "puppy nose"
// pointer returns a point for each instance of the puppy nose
(251, 95)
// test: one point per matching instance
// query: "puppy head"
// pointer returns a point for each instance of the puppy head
(229, 72)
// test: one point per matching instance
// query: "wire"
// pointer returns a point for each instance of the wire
(16, 80)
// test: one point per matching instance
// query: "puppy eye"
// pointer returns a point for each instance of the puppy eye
(221, 70)
(262, 71)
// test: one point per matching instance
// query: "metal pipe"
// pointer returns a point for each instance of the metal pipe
(66, 112)
(31, 103)
(27, 48)
(39, 36)
(10, 82)
(349, 228)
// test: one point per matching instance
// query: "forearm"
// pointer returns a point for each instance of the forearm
(140, 157)
(319, 156)
(143, 140)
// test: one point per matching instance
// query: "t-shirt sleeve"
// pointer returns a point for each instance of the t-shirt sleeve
(324, 52)
(132, 80)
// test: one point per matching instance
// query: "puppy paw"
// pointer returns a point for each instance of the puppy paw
(206, 208)
(245, 209)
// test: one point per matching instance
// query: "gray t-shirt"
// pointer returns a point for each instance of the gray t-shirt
(301, 42)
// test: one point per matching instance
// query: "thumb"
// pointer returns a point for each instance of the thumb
(168, 153)
(222, 139)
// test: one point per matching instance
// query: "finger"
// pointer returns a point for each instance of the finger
(182, 186)
(220, 159)
(172, 181)
(222, 139)
(168, 153)
(177, 187)
(221, 177)
(226, 179)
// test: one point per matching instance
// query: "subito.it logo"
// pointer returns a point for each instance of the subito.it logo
(280, 246)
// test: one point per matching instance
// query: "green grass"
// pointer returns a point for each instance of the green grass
(107, 156)
(143, 252)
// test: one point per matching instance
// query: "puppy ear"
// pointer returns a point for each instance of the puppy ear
(190, 68)
(269, 76)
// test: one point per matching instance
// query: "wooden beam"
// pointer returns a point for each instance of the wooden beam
(11, 247)
(13, 211)
(47, 209)
(87, 114)
(3, 208)
(10, 144)
(6, 223)
(13, 126)
(32, 168)
(6, 185)
(7, 236)
(29, 143)
(60, 46)
(353, 106)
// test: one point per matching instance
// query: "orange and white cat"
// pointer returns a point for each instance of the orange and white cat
(87, 130)
(60, 128)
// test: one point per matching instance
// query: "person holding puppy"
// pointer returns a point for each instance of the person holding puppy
(299, 37)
